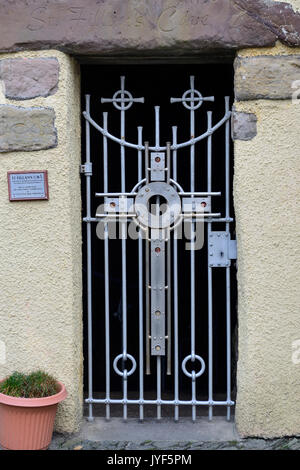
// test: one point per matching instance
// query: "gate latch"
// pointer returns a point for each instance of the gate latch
(86, 169)
(221, 249)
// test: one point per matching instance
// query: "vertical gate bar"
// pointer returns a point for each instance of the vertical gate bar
(106, 274)
(228, 305)
(123, 138)
(158, 358)
(158, 366)
(193, 395)
(125, 378)
(89, 262)
(209, 274)
(141, 325)
(148, 371)
(124, 261)
(147, 162)
(175, 297)
(168, 161)
(192, 185)
(174, 132)
(169, 312)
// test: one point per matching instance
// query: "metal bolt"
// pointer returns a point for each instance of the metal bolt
(158, 348)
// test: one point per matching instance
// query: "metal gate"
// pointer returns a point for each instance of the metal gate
(158, 207)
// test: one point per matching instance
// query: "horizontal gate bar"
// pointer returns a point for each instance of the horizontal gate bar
(207, 218)
(160, 402)
(216, 193)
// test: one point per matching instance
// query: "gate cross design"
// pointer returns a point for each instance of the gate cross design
(154, 226)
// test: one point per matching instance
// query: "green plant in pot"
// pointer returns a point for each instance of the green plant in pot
(28, 405)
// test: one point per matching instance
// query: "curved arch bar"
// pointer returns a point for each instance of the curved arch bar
(156, 149)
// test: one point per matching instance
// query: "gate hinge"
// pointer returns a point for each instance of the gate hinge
(221, 249)
(86, 169)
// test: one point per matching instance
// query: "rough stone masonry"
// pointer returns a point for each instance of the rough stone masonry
(26, 128)
(27, 78)
(116, 26)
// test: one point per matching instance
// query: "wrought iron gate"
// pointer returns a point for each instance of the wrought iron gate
(158, 231)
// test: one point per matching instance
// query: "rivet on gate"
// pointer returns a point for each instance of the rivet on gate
(157, 159)
(158, 348)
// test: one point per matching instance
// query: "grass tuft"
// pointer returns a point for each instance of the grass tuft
(35, 385)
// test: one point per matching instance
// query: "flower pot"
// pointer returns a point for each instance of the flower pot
(27, 423)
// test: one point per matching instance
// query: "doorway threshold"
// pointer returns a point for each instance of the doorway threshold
(154, 434)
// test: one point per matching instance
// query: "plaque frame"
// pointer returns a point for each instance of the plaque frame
(29, 198)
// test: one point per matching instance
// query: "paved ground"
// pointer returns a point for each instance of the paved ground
(204, 435)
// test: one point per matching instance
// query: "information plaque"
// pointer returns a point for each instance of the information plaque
(28, 185)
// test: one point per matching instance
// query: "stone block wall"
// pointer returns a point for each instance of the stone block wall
(40, 241)
(266, 189)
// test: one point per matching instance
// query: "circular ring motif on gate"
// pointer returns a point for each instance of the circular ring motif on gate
(198, 97)
(173, 205)
(188, 374)
(129, 356)
(122, 107)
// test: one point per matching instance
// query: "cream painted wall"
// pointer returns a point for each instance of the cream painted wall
(40, 246)
(266, 195)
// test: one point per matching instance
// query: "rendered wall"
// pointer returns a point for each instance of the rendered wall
(40, 246)
(266, 191)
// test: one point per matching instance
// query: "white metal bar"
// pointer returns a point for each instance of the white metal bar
(106, 274)
(142, 147)
(192, 252)
(129, 216)
(158, 358)
(147, 262)
(107, 194)
(89, 263)
(228, 304)
(174, 133)
(175, 262)
(209, 275)
(194, 193)
(161, 402)
(169, 276)
(124, 261)
(141, 310)
(158, 381)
